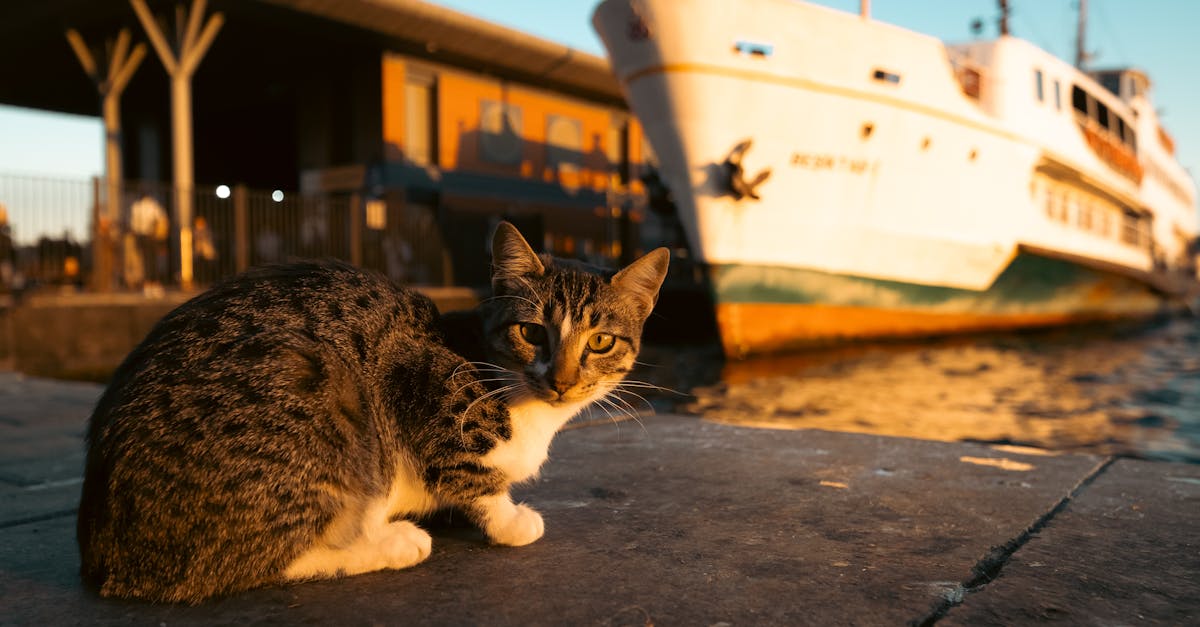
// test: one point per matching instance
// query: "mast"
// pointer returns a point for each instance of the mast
(1003, 17)
(1081, 55)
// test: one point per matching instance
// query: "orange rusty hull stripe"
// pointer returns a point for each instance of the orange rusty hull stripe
(760, 328)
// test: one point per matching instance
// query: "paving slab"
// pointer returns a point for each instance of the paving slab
(41, 445)
(1126, 551)
(676, 520)
(672, 521)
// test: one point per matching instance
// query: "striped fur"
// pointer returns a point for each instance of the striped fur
(293, 422)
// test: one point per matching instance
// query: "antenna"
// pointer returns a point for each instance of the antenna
(1081, 55)
(1004, 17)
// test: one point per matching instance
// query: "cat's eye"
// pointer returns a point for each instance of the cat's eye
(601, 342)
(533, 333)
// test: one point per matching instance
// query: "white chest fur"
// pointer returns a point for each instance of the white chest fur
(534, 424)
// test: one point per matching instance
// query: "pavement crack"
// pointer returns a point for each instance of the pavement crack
(989, 566)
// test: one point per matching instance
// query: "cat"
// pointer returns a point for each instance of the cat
(291, 423)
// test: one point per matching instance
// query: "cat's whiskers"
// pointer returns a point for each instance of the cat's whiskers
(649, 386)
(616, 397)
(604, 404)
(625, 408)
(597, 404)
(479, 366)
(462, 418)
(612, 398)
(489, 368)
(538, 305)
(482, 381)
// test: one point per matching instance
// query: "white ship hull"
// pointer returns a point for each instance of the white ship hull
(893, 192)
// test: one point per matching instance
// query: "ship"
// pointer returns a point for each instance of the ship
(839, 178)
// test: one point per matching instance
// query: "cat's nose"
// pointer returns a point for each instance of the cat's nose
(561, 386)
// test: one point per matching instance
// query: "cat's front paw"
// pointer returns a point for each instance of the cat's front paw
(521, 526)
(404, 545)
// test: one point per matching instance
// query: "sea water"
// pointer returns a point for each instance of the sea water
(1116, 390)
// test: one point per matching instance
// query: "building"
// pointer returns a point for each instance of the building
(418, 126)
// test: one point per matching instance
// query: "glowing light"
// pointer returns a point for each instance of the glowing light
(222, 191)
(277, 196)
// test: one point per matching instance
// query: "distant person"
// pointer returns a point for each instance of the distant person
(150, 227)
(268, 246)
(7, 253)
(205, 251)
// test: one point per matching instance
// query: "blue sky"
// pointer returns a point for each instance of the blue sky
(1157, 35)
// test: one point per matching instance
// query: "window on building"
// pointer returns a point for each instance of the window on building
(564, 140)
(500, 138)
(1039, 85)
(420, 119)
(564, 149)
(616, 147)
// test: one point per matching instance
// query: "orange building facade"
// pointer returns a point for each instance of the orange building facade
(469, 150)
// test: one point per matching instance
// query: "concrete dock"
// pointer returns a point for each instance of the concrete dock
(679, 521)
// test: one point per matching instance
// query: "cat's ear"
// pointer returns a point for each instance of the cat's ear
(643, 278)
(512, 257)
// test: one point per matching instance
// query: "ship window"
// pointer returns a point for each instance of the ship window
(886, 77)
(1038, 86)
(1058, 94)
(1102, 114)
(1122, 130)
(1079, 99)
(1085, 215)
(753, 49)
(1112, 82)
(1131, 232)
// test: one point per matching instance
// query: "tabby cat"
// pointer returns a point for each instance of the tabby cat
(290, 423)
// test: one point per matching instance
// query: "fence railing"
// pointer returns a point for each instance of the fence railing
(57, 233)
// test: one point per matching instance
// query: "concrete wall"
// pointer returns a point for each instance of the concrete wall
(85, 336)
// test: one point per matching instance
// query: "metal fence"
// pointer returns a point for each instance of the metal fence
(45, 231)
(56, 232)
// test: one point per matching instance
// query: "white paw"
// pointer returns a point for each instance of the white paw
(404, 544)
(521, 526)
